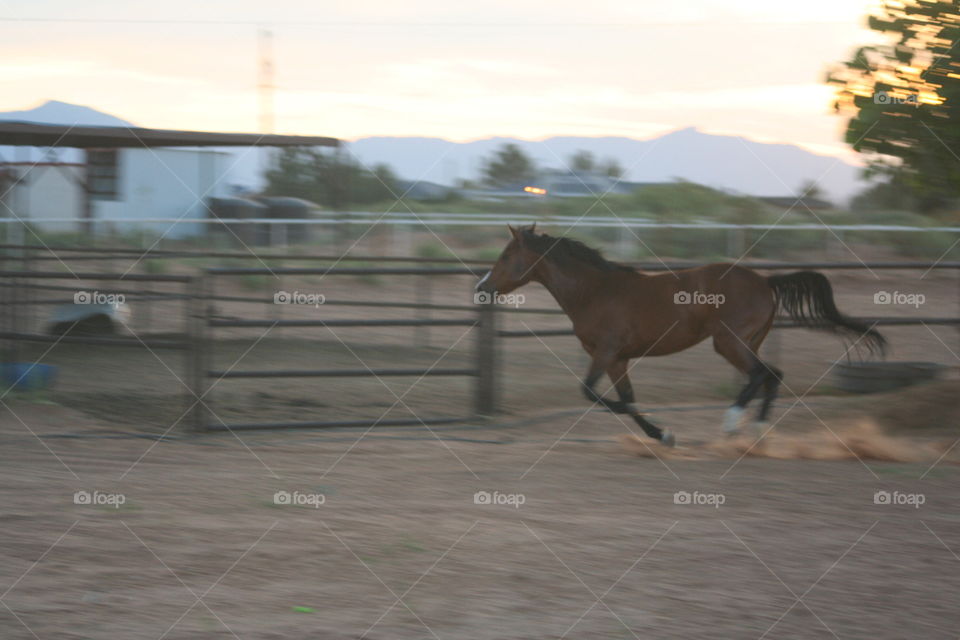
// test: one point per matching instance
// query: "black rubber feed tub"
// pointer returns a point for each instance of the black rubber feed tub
(873, 377)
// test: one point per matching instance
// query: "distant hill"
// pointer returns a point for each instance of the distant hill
(725, 162)
(54, 112)
(730, 163)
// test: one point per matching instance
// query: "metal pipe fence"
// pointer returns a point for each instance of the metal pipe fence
(489, 219)
(17, 287)
(483, 404)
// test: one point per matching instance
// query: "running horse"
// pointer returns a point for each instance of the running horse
(619, 313)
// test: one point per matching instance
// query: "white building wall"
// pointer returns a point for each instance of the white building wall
(43, 192)
(166, 183)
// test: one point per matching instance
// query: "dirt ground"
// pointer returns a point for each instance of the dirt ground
(581, 538)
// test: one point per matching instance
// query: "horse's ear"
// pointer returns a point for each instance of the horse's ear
(533, 228)
(513, 232)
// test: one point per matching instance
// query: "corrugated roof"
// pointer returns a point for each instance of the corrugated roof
(50, 135)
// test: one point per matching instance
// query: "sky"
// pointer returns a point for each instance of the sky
(462, 71)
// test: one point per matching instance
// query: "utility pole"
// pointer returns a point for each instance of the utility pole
(266, 84)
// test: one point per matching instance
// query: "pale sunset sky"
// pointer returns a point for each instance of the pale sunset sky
(524, 68)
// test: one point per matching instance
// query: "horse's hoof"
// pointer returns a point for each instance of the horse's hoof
(731, 420)
(667, 439)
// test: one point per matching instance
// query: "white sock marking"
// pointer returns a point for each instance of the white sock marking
(731, 419)
(482, 280)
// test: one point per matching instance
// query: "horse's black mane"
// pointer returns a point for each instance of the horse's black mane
(566, 251)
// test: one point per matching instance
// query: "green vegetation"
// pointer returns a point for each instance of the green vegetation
(154, 267)
(676, 202)
(904, 97)
(489, 254)
(330, 179)
(508, 164)
(433, 250)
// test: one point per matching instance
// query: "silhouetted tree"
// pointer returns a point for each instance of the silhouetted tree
(612, 168)
(810, 189)
(330, 179)
(583, 161)
(891, 195)
(509, 164)
(905, 98)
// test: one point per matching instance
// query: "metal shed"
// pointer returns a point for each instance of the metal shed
(96, 141)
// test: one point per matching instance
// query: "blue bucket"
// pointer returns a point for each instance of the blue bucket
(27, 376)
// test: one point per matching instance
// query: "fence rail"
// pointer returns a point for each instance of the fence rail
(335, 260)
(484, 402)
(487, 219)
(779, 324)
(332, 424)
(340, 373)
(454, 322)
(94, 275)
(26, 336)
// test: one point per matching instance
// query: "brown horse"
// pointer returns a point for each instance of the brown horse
(619, 313)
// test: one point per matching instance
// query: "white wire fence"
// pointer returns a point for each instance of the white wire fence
(410, 234)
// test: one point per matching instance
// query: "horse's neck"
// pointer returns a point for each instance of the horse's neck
(571, 289)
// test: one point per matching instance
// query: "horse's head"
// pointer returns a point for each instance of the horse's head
(515, 266)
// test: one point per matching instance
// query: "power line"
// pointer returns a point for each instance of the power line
(464, 24)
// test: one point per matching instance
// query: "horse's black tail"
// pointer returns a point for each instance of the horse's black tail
(807, 297)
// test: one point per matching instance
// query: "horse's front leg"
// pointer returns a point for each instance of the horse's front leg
(617, 371)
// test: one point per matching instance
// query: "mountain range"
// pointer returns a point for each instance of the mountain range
(731, 163)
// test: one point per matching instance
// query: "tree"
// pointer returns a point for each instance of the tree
(383, 184)
(330, 179)
(612, 168)
(904, 97)
(294, 173)
(582, 161)
(509, 164)
(810, 190)
(891, 195)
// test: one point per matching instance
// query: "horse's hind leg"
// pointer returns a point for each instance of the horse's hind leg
(771, 383)
(618, 375)
(770, 386)
(741, 356)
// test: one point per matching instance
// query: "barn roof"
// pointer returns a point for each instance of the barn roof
(30, 134)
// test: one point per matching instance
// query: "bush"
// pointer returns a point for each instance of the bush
(915, 244)
(433, 251)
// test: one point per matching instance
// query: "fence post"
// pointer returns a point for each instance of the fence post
(624, 235)
(198, 359)
(424, 285)
(736, 243)
(486, 391)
